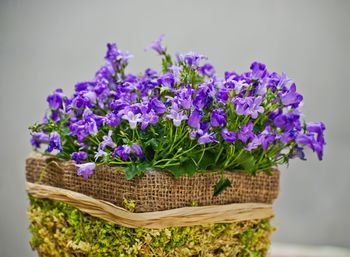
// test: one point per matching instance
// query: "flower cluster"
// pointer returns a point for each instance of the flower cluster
(184, 119)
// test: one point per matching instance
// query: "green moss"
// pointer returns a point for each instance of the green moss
(61, 230)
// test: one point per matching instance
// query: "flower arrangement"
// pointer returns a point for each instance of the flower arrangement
(184, 119)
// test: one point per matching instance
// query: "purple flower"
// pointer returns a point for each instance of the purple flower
(100, 153)
(255, 143)
(184, 97)
(55, 142)
(112, 119)
(314, 145)
(191, 58)
(249, 106)
(228, 136)
(86, 169)
(297, 152)
(258, 70)
(176, 70)
(167, 80)
(218, 118)
(207, 70)
(107, 141)
(266, 137)
(288, 121)
(291, 97)
(56, 99)
(246, 132)
(79, 156)
(156, 45)
(132, 118)
(39, 137)
(195, 119)
(116, 57)
(137, 150)
(158, 106)
(206, 138)
(177, 117)
(123, 151)
(149, 118)
(318, 128)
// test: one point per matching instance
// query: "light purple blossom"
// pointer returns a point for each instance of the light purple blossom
(157, 46)
(100, 153)
(177, 117)
(254, 143)
(107, 141)
(246, 132)
(249, 106)
(38, 138)
(86, 169)
(149, 118)
(132, 118)
(291, 97)
(207, 138)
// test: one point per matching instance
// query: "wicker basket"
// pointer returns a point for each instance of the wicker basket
(151, 215)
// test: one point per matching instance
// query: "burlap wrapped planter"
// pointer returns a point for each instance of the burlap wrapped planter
(62, 227)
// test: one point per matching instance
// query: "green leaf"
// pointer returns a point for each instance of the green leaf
(135, 170)
(247, 161)
(207, 160)
(221, 185)
(187, 167)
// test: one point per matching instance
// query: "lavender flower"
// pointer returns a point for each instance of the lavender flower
(56, 99)
(218, 118)
(86, 169)
(55, 142)
(177, 117)
(132, 118)
(249, 106)
(137, 150)
(246, 132)
(123, 151)
(79, 156)
(291, 97)
(107, 141)
(156, 45)
(195, 119)
(206, 138)
(228, 136)
(149, 118)
(38, 138)
(100, 153)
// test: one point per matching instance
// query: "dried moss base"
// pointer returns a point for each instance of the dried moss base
(61, 230)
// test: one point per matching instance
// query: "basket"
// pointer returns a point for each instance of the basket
(151, 215)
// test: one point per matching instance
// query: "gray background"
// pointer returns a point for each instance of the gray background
(47, 45)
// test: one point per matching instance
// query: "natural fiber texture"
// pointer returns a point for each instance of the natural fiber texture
(155, 190)
(181, 217)
(59, 229)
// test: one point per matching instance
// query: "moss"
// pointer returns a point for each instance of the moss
(61, 230)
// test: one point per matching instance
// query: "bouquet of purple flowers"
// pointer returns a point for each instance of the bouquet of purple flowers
(183, 119)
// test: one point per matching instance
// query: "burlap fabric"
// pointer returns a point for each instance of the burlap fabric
(153, 191)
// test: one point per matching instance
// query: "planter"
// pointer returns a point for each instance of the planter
(151, 215)
(177, 162)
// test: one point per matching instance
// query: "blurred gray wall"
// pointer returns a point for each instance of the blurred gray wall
(48, 45)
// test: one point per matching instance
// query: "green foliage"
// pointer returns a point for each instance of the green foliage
(61, 230)
(221, 185)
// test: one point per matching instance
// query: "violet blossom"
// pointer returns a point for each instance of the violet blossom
(86, 169)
